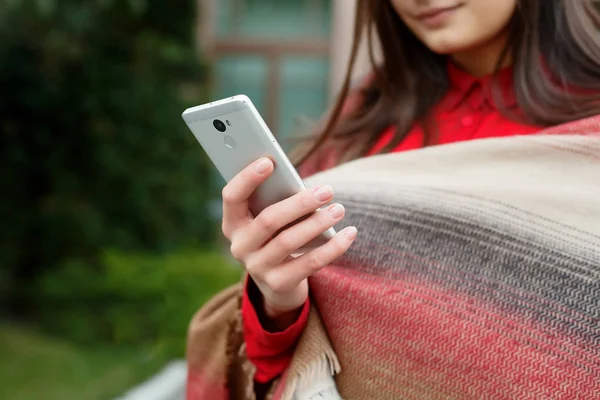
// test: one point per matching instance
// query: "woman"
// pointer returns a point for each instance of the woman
(452, 70)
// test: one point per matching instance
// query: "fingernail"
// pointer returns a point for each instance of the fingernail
(324, 193)
(336, 210)
(263, 165)
(350, 232)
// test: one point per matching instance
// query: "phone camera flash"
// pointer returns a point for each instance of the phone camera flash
(230, 142)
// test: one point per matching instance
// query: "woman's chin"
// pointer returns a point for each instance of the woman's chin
(445, 47)
(449, 41)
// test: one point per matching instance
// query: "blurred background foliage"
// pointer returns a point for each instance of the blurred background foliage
(104, 193)
(94, 153)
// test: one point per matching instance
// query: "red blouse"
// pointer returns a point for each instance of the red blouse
(467, 112)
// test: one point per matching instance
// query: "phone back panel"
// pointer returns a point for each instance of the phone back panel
(246, 139)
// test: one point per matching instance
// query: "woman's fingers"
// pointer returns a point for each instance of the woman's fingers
(264, 243)
(237, 192)
(286, 277)
(277, 216)
(296, 236)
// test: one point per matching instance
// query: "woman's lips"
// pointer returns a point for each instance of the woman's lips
(436, 17)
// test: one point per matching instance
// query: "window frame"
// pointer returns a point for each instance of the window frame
(273, 50)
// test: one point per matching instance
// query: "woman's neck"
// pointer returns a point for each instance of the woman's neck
(483, 60)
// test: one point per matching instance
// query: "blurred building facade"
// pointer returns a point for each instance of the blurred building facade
(288, 56)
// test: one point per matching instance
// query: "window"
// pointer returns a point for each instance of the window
(273, 18)
(277, 53)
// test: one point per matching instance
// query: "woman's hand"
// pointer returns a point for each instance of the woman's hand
(265, 253)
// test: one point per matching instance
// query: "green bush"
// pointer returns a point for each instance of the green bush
(133, 299)
(94, 153)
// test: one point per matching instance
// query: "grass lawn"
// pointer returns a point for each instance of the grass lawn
(144, 298)
(36, 367)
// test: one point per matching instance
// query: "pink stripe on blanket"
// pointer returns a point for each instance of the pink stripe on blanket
(419, 339)
(200, 387)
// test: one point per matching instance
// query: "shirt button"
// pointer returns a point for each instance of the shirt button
(467, 121)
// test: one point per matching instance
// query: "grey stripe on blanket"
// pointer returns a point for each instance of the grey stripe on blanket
(476, 273)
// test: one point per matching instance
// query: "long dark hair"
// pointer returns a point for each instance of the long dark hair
(555, 50)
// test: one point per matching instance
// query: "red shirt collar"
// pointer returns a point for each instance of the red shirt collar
(476, 93)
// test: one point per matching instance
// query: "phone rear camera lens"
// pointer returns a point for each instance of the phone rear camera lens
(219, 125)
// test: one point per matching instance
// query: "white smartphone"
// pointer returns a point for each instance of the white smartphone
(233, 135)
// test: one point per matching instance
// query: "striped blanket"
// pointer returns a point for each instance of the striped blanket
(476, 275)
